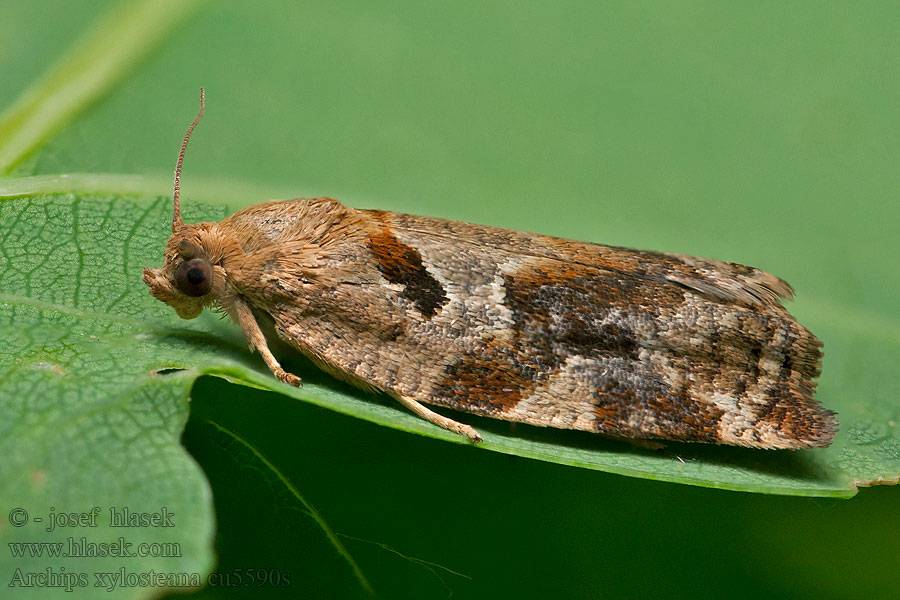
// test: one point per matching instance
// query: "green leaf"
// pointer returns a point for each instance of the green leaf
(77, 260)
(94, 380)
(764, 136)
(87, 424)
(308, 508)
(102, 56)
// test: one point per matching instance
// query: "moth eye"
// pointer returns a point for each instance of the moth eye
(194, 277)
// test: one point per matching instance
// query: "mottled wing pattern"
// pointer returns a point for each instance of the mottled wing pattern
(565, 334)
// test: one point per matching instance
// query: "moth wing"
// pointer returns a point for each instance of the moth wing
(537, 329)
(630, 343)
(719, 279)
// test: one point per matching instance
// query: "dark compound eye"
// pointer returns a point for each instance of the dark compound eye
(194, 277)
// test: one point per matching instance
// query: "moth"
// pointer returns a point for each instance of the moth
(517, 326)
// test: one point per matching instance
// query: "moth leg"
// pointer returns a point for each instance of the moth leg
(439, 420)
(257, 342)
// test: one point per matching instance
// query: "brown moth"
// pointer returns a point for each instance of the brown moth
(516, 326)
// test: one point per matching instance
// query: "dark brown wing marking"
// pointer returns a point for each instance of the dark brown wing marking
(402, 264)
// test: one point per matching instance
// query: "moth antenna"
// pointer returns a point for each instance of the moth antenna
(176, 216)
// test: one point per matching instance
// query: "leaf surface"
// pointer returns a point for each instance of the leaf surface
(766, 137)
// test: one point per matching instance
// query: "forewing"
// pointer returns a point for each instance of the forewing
(566, 334)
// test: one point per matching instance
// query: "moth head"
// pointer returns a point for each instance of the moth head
(192, 276)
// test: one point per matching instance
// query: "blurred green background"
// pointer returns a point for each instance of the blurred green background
(765, 133)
